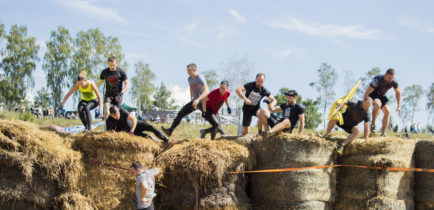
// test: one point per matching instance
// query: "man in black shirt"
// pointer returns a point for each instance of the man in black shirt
(121, 120)
(377, 90)
(292, 112)
(114, 78)
(355, 113)
(255, 91)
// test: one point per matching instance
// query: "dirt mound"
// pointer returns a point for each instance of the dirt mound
(424, 182)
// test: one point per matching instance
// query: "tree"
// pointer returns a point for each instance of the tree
(349, 81)
(142, 87)
(366, 80)
(412, 95)
(43, 98)
(18, 64)
(56, 62)
(162, 100)
(211, 78)
(2, 36)
(324, 86)
(430, 103)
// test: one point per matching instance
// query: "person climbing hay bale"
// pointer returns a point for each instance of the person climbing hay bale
(204, 165)
(377, 189)
(110, 186)
(424, 182)
(307, 189)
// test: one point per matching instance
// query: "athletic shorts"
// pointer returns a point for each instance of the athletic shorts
(346, 127)
(273, 121)
(113, 100)
(248, 113)
(384, 100)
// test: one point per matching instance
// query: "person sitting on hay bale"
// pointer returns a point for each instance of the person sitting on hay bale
(355, 113)
(210, 109)
(292, 112)
(121, 120)
(145, 186)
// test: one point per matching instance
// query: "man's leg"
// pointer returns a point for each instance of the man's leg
(264, 115)
(247, 119)
(212, 119)
(386, 118)
(147, 127)
(280, 126)
(106, 110)
(375, 111)
(355, 131)
(186, 109)
(331, 124)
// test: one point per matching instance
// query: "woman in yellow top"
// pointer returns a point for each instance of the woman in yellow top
(89, 94)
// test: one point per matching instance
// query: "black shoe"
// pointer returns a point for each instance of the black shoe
(340, 149)
(213, 134)
(202, 133)
(167, 131)
(372, 128)
(259, 132)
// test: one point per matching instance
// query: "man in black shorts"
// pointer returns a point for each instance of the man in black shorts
(292, 112)
(355, 113)
(114, 78)
(377, 90)
(121, 120)
(255, 91)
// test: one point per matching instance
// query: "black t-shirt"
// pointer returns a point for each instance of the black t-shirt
(355, 113)
(123, 124)
(113, 81)
(291, 112)
(381, 86)
(255, 94)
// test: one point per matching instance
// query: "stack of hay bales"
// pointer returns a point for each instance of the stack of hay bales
(205, 165)
(38, 168)
(308, 189)
(111, 187)
(377, 189)
(424, 186)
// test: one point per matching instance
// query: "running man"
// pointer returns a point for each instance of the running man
(114, 78)
(255, 91)
(145, 186)
(121, 120)
(210, 109)
(89, 94)
(355, 113)
(292, 112)
(377, 90)
(198, 91)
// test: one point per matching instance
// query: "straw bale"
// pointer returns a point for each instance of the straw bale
(110, 187)
(73, 201)
(424, 182)
(36, 165)
(206, 165)
(378, 189)
(308, 189)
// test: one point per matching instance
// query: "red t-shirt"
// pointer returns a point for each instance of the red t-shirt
(216, 100)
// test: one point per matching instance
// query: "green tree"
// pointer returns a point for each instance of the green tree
(327, 77)
(18, 64)
(412, 95)
(366, 80)
(430, 103)
(162, 100)
(142, 87)
(2, 36)
(43, 98)
(56, 62)
(212, 78)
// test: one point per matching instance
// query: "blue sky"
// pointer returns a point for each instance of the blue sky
(287, 40)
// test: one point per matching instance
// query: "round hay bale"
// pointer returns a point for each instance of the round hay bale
(35, 166)
(424, 186)
(309, 189)
(205, 165)
(111, 187)
(377, 189)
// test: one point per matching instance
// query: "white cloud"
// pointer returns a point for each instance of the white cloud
(179, 34)
(90, 7)
(417, 25)
(224, 31)
(179, 94)
(237, 16)
(193, 25)
(325, 30)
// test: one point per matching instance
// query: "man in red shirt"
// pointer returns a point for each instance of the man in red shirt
(214, 101)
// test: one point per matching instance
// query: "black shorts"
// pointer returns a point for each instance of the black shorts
(113, 100)
(248, 113)
(347, 127)
(384, 100)
(273, 121)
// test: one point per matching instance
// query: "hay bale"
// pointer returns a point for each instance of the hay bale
(36, 166)
(110, 187)
(424, 182)
(73, 201)
(205, 164)
(310, 189)
(377, 189)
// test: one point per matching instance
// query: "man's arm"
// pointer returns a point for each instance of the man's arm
(203, 95)
(127, 85)
(143, 191)
(273, 100)
(274, 108)
(100, 81)
(239, 91)
(368, 91)
(398, 100)
(133, 123)
(204, 104)
(301, 126)
(366, 130)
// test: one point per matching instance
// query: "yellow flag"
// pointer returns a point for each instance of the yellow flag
(336, 111)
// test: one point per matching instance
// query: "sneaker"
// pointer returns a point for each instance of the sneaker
(372, 128)
(259, 132)
(224, 135)
(202, 133)
(340, 149)
(167, 131)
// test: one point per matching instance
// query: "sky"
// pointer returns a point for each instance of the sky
(286, 40)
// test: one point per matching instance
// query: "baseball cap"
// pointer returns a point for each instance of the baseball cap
(291, 93)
